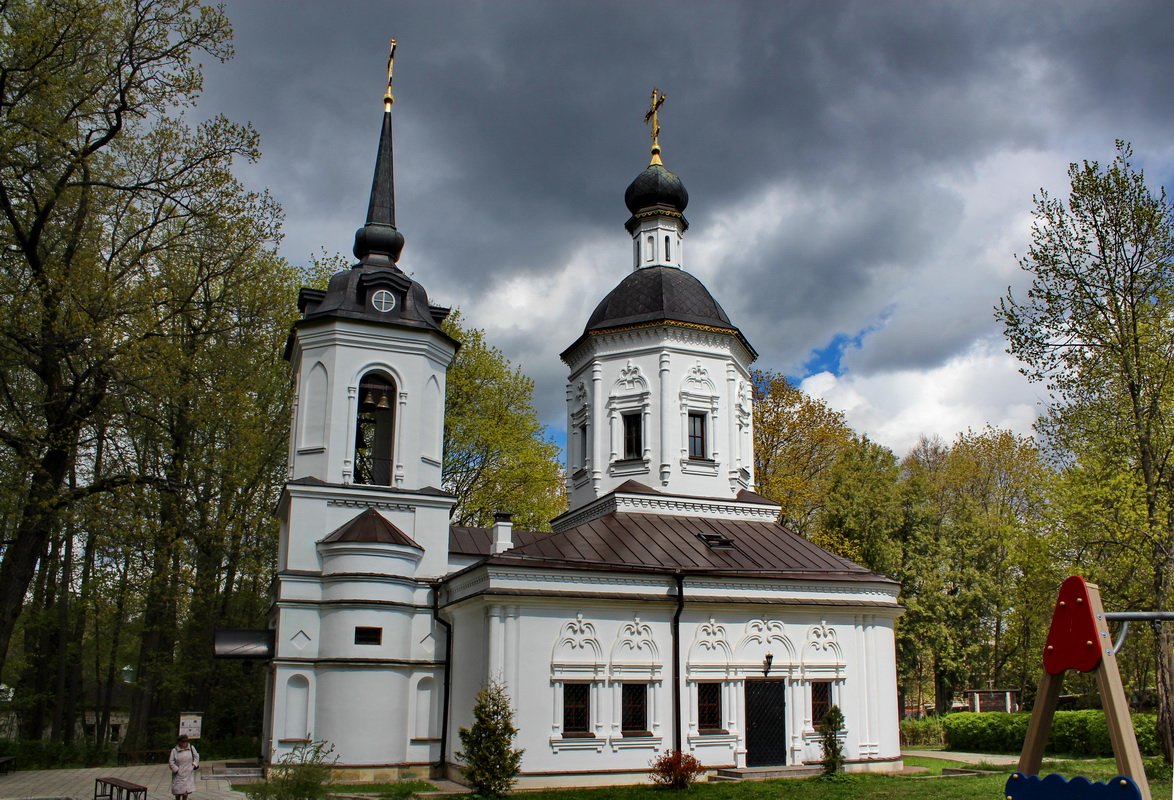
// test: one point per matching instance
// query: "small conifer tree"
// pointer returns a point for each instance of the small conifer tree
(830, 728)
(491, 762)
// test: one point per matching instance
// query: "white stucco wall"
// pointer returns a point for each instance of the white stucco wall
(662, 373)
(536, 644)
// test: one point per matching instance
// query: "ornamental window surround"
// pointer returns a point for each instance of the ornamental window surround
(629, 416)
(699, 403)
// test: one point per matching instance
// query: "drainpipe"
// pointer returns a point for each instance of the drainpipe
(444, 703)
(677, 661)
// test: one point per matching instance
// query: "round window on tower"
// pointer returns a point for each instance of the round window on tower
(383, 301)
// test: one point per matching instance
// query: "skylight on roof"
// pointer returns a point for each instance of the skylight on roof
(716, 541)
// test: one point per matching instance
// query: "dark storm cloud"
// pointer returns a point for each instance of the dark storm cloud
(835, 146)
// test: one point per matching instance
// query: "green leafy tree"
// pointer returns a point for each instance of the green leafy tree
(797, 441)
(1096, 328)
(497, 456)
(861, 508)
(100, 183)
(491, 761)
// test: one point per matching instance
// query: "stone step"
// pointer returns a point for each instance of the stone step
(767, 773)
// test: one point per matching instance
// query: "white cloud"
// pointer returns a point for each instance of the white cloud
(978, 387)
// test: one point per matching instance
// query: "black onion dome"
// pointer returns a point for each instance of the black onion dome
(655, 294)
(659, 294)
(656, 186)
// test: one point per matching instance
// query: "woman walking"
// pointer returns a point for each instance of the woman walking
(184, 762)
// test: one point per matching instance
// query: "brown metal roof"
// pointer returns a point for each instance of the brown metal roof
(477, 541)
(370, 526)
(660, 543)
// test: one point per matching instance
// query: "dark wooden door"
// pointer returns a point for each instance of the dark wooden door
(766, 730)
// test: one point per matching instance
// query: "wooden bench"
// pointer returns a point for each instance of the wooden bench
(118, 789)
(6, 764)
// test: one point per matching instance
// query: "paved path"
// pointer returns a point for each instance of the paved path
(967, 758)
(78, 784)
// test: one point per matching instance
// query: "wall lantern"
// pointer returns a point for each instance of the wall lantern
(766, 662)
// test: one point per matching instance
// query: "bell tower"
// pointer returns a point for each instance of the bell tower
(364, 524)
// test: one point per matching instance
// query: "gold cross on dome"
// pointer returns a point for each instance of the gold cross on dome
(652, 116)
(388, 99)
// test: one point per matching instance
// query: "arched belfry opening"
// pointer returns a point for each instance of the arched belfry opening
(374, 430)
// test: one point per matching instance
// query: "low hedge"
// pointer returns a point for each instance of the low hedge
(36, 754)
(1074, 733)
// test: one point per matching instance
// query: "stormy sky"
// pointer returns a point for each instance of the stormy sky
(860, 173)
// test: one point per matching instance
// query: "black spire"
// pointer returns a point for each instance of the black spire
(378, 243)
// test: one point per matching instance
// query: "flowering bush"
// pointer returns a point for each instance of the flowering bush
(675, 770)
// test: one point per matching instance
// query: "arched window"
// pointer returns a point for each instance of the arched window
(667, 250)
(374, 445)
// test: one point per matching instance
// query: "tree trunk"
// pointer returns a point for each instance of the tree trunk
(38, 521)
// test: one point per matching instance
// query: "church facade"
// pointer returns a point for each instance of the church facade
(666, 610)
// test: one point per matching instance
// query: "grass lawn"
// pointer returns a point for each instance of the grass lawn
(401, 790)
(854, 787)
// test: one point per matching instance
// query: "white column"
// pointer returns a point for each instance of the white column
(615, 432)
(570, 442)
(594, 421)
(348, 444)
(665, 410)
(397, 443)
(732, 425)
(496, 661)
(873, 688)
(510, 666)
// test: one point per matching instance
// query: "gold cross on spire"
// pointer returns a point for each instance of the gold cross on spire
(388, 99)
(651, 116)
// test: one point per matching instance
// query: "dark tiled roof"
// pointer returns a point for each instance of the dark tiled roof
(659, 294)
(659, 543)
(653, 294)
(370, 526)
(477, 541)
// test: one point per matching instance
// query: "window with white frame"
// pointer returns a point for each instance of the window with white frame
(633, 435)
(697, 436)
(699, 409)
(577, 709)
(629, 409)
(821, 701)
(709, 707)
(634, 710)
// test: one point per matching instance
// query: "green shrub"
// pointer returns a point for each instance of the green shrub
(302, 774)
(1145, 727)
(673, 769)
(925, 732)
(830, 728)
(1075, 733)
(491, 762)
(38, 754)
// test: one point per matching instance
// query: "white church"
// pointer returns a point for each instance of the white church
(667, 610)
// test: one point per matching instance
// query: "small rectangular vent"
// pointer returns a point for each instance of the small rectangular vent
(368, 635)
(717, 541)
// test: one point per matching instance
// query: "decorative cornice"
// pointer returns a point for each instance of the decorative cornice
(686, 334)
(669, 505)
